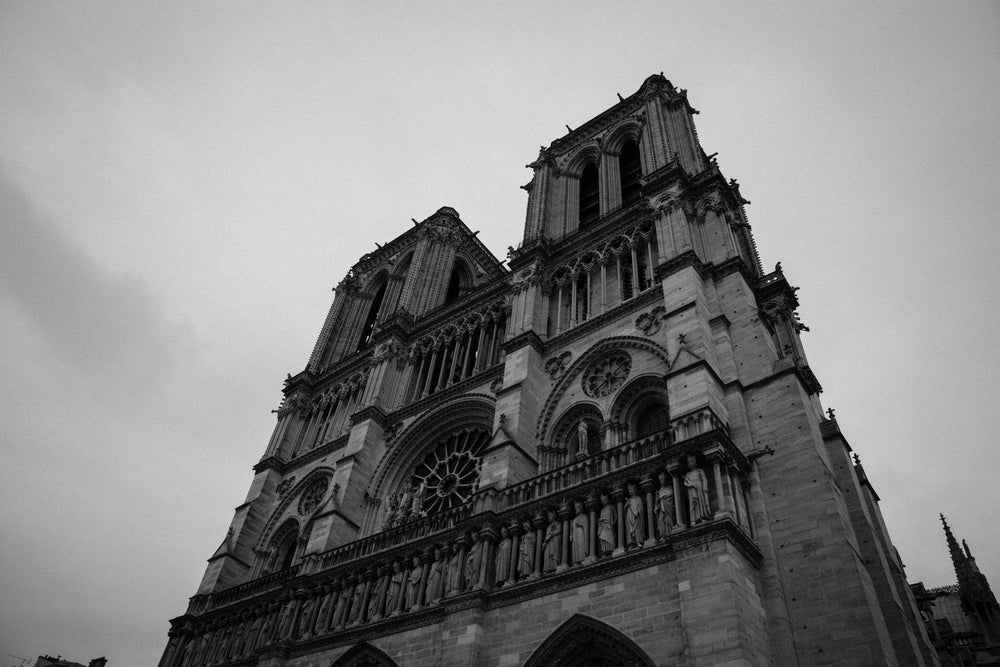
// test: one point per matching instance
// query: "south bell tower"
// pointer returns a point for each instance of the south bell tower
(613, 450)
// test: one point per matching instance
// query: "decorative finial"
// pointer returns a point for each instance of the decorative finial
(777, 267)
(830, 414)
(681, 339)
(414, 221)
(620, 98)
(857, 459)
(569, 129)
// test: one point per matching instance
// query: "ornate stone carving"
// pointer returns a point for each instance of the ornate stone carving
(649, 323)
(313, 495)
(696, 483)
(285, 485)
(556, 366)
(496, 385)
(607, 375)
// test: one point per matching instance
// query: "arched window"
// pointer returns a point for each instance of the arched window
(630, 170)
(369, 327)
(283, 546)
(651, 419)
(590, 206)
(585, 642)
(459, 282)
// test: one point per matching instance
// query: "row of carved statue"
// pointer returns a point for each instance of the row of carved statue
(608, 523)
(404, 506)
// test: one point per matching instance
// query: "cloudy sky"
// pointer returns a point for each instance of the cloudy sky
(181, 185)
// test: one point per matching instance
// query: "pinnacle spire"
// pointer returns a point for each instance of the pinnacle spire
(957, 557)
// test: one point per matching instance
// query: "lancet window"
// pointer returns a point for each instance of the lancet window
(455, 353)
(602, 278)
(590, 204)
(328, 416)
(369, 326)
(629, 171)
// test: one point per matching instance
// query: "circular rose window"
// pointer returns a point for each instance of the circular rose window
(313, 495)
(607, 375)
(449, 475)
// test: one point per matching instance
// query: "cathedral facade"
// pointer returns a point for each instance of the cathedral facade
(607, 450)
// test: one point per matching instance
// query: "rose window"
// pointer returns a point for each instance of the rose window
(449, 474)
(607, 375)
(312, 496)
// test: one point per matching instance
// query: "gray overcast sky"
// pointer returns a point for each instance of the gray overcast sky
(181, 184)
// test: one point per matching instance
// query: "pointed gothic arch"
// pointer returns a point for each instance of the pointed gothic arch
(364, 655)
(583, 641)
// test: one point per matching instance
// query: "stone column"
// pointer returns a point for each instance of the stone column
(538, 523)
(647, 487)
(618, 496)
(565, 515)
(592, 504)
(680, 501)
(515, 553)
(722, 497)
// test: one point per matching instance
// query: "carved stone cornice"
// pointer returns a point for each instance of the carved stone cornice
(373, 412)
(682, 261)
(526, 339)
(446, 394)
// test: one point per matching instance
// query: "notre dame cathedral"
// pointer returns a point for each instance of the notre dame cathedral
(609, 451)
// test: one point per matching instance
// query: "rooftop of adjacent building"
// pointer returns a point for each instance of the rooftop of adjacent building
(58, 661)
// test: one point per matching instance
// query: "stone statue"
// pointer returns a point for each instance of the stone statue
(501, 562)
(696, 484)
(418, 499)
(376, 596)
(323, 613)
(435, 578)
(581, 438)
(413, 585)
(665, 507)
(395, 589)
(343, 599)
(391, 512)
(285, 624)
(580, 534)
(551, 543)
(455, 572)
(405, 502)
(634, 515)
(307, 607)
(606, 522)
(473, 561)
(356, 599)
(526, 562)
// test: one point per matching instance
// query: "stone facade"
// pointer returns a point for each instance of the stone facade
(610, 451)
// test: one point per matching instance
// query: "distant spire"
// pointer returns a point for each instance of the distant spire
(957, 557)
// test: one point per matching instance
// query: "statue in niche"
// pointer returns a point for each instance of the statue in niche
(551, 543)
(581, 438)
(501, 562)
(265, 630)
(356, 599)
(405, 503)
(285, 624)
(455, 572)
(376, 596)
(435, 578)
(473, 561)
(322, 613)
(395, 589)
(343, 599)
(666, 509)
(526, 562)
(391, 512)
(418, 499)
(634, 515)
(413, 585)
(606, 523)
(580, 534)
(696, 484)
(307, 607)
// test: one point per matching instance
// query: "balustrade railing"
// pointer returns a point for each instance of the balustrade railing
(645, 493)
